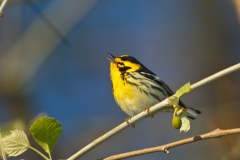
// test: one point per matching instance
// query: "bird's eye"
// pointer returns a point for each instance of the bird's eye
(120, 64)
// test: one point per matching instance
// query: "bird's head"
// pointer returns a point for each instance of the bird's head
(124, 63)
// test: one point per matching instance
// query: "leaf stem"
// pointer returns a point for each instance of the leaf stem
(50, 156)
(41, 154)
(174, 113)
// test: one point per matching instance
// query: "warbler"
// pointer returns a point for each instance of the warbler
(136, 88)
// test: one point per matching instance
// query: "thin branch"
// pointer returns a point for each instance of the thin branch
(38, 152)
(156, 108)
(216, 76)
(165, 148)
(2, 6)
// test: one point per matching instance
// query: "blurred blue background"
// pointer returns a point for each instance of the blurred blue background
(52, 63)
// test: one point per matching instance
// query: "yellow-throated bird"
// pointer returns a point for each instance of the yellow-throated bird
(136, 88)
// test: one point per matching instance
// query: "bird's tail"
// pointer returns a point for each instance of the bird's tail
(193, 113)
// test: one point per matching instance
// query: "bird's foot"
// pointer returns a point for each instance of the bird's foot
(148, 110)
(127, 121)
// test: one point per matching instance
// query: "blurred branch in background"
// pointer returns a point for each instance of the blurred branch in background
(237, 7)
(27, 54)
(48, 22)
(4, 2)
(32, 48)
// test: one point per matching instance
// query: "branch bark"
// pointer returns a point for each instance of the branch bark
(165, 148)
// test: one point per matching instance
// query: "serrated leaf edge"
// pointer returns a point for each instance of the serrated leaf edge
(11, 145)
(43, 144)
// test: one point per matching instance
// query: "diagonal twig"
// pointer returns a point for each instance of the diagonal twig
(164, 148)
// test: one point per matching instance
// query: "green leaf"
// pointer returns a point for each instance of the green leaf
(173, 100)
(185, 123)
(16, 143)
(183, 90)
(46, 131)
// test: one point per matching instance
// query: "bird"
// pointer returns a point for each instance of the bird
(136, 88)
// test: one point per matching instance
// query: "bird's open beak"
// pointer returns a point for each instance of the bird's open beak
(110, 59)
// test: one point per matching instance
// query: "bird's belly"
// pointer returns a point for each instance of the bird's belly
(131, 99)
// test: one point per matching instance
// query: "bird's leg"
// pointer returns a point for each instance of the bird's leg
(127, 121)
(148, 110)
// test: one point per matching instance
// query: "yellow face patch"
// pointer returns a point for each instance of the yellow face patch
(113, 67)
(122, 90)
(126, 64)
